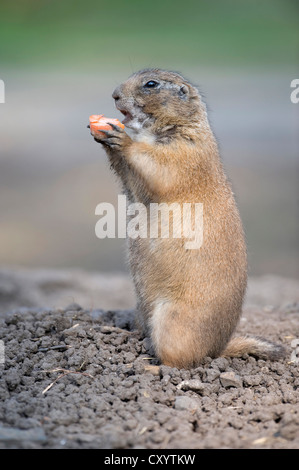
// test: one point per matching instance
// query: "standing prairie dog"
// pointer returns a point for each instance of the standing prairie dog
(188, 301)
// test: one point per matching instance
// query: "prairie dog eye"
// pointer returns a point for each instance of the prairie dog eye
(151, 84)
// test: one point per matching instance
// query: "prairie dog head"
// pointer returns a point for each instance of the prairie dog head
(154, 99)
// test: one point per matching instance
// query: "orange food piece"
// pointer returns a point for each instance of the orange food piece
(99, 121)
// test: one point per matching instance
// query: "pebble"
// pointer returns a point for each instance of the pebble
(186, 403)
(193, 384)
(230, 379)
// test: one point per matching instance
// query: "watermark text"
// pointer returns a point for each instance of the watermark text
(156, 220)
(295, 93)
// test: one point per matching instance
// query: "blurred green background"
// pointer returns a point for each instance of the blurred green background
(61, 60)
(168, 32)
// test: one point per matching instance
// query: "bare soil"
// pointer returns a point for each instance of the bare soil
(80, 376)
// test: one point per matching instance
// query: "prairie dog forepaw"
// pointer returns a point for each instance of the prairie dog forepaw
(114, 139)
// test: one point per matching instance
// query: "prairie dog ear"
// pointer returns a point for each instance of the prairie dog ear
(183, 90)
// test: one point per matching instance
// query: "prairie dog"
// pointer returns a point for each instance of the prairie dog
(188, 301)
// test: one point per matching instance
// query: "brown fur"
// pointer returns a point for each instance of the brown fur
(188, 301)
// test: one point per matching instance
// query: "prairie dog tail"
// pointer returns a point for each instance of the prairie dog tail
(254, 346)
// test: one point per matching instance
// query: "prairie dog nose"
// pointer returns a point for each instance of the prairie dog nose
(117, 93)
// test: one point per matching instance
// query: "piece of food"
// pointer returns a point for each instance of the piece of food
(98, 122)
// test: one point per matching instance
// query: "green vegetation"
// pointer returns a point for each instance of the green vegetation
(119, 32)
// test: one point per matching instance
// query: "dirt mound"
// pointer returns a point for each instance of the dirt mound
(77, 377)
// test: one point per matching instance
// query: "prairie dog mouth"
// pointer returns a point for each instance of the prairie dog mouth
(135, 119)
(128, 116)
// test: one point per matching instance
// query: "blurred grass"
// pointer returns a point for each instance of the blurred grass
(157, 32)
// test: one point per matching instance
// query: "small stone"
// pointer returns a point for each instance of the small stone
(230, 379)
(186, 403)
(221, 363)
(260, 441)
(75, 330)
(252, 380)
(155, 370)
(107, 329)
(147, 344)
(212, 374)
(165, 380)
(193, 384)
